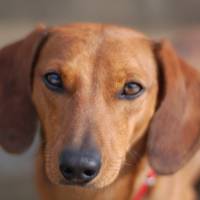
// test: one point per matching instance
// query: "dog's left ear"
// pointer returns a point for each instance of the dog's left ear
(17, 115)
(174, 133)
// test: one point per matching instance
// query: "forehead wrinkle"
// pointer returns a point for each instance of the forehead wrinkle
(139, 60)
(147, 62)
(118, 57)
(71, 40)
(80, 60)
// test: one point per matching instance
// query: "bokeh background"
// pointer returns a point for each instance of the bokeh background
(178, 20)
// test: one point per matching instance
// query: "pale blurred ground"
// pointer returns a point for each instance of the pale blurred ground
(175, 19)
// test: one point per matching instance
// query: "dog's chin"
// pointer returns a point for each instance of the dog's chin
(100, 184)
(81, 185)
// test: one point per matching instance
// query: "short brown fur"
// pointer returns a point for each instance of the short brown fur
(160, 127)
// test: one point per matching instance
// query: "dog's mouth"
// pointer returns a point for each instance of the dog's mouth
(75, 182)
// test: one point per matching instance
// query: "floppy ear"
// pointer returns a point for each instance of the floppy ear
(174, 133)
(17, 114)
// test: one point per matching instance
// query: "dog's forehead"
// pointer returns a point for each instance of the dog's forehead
(83, 46)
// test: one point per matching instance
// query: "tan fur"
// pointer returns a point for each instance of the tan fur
(95, 61)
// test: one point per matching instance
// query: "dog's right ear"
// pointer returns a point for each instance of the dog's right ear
(174, 132)
(17, 115)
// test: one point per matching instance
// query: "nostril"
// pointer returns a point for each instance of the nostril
(67, 171)
(89, 172)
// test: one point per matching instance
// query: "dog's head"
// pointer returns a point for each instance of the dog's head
(98, 90)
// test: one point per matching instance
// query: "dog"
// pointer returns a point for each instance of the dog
(112, 105)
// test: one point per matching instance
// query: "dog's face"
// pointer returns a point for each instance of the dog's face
(94, 88)
(98, 90)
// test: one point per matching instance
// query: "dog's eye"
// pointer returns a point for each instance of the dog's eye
(131, 90)
(53, 81)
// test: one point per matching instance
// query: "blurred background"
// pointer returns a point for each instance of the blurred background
(178, 20)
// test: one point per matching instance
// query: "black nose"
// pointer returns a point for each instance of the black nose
(79, 167)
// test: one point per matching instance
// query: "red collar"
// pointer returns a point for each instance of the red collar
(144, 188)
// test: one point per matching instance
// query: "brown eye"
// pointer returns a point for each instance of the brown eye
(131, 90)
(53, 81)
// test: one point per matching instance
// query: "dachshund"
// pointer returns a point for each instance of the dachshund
(112, 105)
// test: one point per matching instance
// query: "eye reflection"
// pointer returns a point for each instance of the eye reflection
(131, 90)
(53, 81)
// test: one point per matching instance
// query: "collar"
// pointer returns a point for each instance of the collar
(144, 188)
